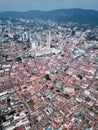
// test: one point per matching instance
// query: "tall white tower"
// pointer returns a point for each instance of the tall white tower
(48, 40)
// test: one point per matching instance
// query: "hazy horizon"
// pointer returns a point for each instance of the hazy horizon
(45, 10)
(46, 5)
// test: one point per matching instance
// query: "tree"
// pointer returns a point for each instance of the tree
(47, 77)
(80, 76)
(31, 103)
(18, 59)
(12, 112)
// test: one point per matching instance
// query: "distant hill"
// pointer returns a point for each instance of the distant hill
(80, 16)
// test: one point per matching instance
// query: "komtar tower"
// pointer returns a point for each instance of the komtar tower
(48, 39)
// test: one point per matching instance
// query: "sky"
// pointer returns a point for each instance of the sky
(24, 5)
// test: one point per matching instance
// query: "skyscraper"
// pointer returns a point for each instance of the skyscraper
(48, 40)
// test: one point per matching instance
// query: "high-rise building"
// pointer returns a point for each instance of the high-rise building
(48, 40)
(34, 41)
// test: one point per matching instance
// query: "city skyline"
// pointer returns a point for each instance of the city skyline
(45, 5)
